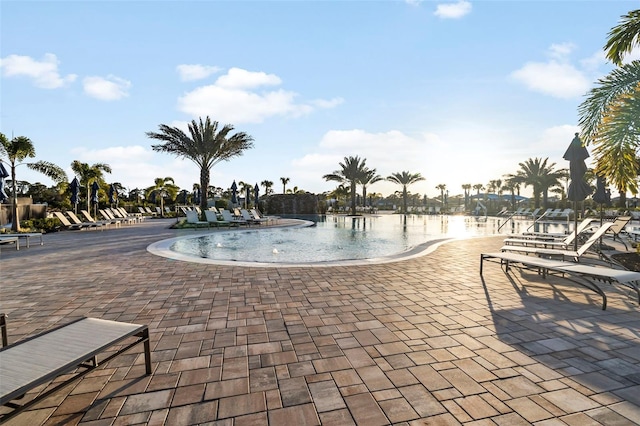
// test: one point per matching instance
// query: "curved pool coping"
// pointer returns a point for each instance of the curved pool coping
(163, 248)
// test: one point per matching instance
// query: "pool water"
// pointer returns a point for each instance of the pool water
(333, 239)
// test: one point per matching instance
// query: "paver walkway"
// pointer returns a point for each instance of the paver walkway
(423, 341)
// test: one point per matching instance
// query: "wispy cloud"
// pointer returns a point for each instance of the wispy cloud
(453, 10)
(556, 77)
(110, 88)
(242, 96)
(196, 72)
(44, 73)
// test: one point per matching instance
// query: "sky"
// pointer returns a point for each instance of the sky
(460, 92)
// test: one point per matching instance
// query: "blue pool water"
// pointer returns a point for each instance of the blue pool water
(332, 239)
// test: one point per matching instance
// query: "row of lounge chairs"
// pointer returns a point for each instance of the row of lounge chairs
(223, 217)
(538, 213)
(553, 253)
(114, 216)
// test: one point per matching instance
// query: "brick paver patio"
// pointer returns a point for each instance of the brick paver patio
(424, 341)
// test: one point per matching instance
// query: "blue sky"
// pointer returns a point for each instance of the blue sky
(460, 92)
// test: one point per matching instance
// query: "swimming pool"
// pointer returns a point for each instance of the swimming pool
(332, 240)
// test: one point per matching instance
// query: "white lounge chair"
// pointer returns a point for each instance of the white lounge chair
(228, 217)
(562, 254)
(584, 275)
(212, 218)
(10, 240)
(77, 221)
(65, 222)
(193, 219)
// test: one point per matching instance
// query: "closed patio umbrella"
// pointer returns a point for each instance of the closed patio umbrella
(256, 195)
(94, 196)
(234, 193)
(113, 194)
(196, 196)
(75, 190)
(579, 189)
(247, 199)
(602, 195)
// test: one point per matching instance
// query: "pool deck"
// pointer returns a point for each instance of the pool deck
(423, 341)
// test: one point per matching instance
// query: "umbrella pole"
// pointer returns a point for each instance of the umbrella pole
(575, 226)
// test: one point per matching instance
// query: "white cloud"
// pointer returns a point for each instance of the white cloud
(236, 97)
(558, 77)
(453, 10)
(44, 73)
(110, 88)
(414, 2)
(238, 78)
(561, 51)
(553, 78)
(196, 72)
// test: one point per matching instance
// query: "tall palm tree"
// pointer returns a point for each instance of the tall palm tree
(442, 187)
(87, 174)
(164, 188)
(14, 152)
(205, 145)
(541, 176)
(285, 181)
(467, 192)
(267, 185)
(405, 179)
(351, 172)
(368, 178)
(610, 115)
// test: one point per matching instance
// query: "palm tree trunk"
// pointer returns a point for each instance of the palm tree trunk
(353, 198)
(204, 183)
(15, 221)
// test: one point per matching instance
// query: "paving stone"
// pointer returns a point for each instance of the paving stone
(365, 410)
(237, 345)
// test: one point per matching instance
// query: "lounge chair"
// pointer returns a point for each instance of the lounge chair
(87, 216)
(125, 217)
(558, 253)
(618, 228)
(551, 240)
(259, 215)
(77, 221)
(10, 240)
(228, 217)
(65, 222)
(584, 275)
(586, 223)
(212, 218)
(137, 216)
(62, 355)
(107, 215)
(250, 218)
(192, 218)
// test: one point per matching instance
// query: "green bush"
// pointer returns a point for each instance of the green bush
(40, 225)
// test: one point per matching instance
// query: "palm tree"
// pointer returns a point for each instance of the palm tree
(610, 116)
(285, 181)
(467, 192)
(442, 187)
(205, 146)
(16, 151)
(87, 174)
(368, 178)
(540, 176)
(164, 188)
(267, 184)
(339, 193)
(351, 172)
(405, 179)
